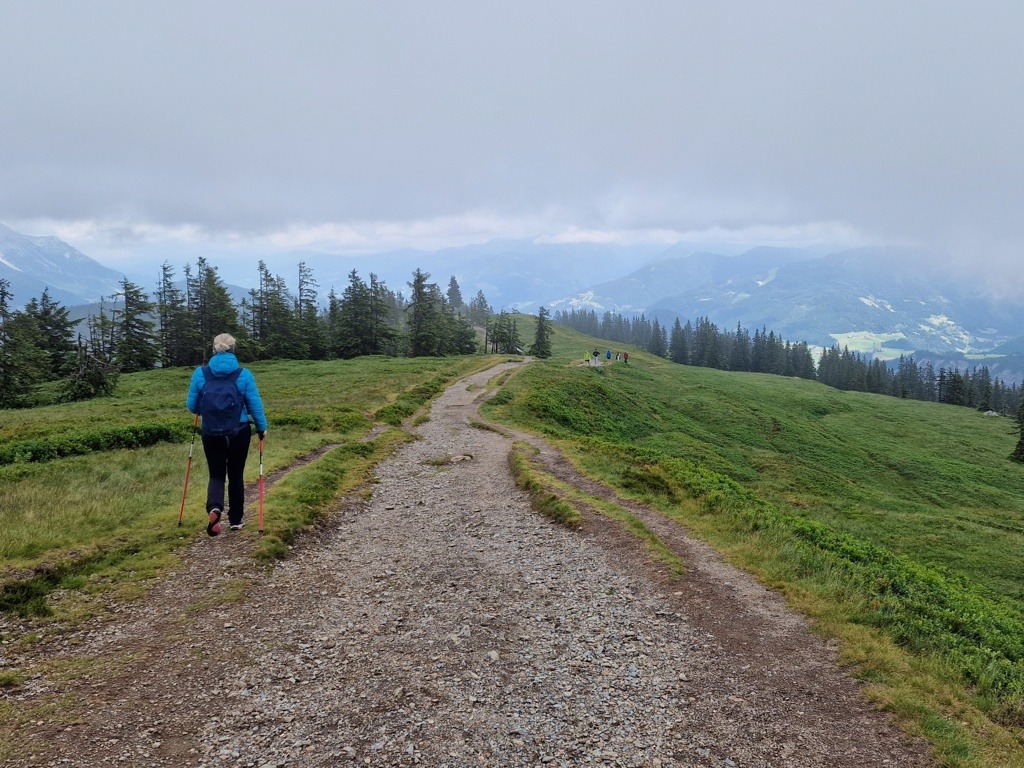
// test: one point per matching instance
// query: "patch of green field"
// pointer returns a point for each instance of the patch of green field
(110, 517)
(868, 342)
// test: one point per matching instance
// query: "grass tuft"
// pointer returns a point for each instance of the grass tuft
(542, 500)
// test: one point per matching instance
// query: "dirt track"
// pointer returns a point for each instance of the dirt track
(443, 622)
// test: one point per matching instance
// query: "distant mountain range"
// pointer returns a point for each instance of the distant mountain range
(878, 301)
(816, 298)
(511, 273)
(34, 264)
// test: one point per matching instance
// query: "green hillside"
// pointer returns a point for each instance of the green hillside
(897, 525)
(923, 479)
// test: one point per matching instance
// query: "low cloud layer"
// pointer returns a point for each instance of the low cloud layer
(364, 126)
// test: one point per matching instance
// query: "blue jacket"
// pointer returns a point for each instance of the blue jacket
(222, 364)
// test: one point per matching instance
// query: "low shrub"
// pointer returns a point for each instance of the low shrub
(311, 421)
(79, 442)
(920, 607)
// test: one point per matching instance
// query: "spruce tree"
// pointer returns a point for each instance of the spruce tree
(353, 327)
(678, 352)
(56, 332)
(803, 362)
(282, 336)
(454, 295)
(707, 348)
(542, 336)
(503, 335)
(426, 333)
(1018, 452)
(259, 322)
(983, 389)
(307, 312)
(479, 310)
(175, 328)
(384, 310)
(956, 389)
(657, 342)
(137, 347)
(459, 336)
(775, 349)
(23, 361)
(211, 309)
(515, 342)
(102, 338)
(739, 355)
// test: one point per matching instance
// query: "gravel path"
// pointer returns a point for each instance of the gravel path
(443, 623)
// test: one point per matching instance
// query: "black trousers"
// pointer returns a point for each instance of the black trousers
(225, 456)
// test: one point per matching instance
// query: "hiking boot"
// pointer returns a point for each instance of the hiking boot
(213, 527)
(237, 526)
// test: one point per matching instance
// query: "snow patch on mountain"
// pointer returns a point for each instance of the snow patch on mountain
(6, 263)
(586, 300)
(874, 303)
(946, 329)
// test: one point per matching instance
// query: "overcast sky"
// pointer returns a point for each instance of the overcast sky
(361, 126)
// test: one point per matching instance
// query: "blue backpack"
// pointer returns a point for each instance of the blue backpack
(220, 403)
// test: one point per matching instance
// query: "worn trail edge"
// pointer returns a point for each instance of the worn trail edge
(443, 623)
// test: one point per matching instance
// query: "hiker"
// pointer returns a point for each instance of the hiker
(594, 356)
(225, 395)
(608, 355)
(625, 358)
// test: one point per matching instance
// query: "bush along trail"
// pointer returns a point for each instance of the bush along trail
(441, 621)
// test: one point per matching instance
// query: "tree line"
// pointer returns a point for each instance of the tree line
(135, 331)
(274, 322)
(703, 344)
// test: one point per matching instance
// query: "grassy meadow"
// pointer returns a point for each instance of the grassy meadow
(90, 492)
(897, 526)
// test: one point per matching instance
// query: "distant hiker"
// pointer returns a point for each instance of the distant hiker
(225, 396)
(608, 355)
(595, 355)
(616, 357)
(625, 357)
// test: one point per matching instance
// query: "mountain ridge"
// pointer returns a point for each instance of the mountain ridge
(34, 264)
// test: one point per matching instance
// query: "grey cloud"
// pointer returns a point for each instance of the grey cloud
(901, 119)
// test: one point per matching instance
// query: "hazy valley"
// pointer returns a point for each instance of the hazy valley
(883, 302)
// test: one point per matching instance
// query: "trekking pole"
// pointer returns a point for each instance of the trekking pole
(261, 485)
(188, 470)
